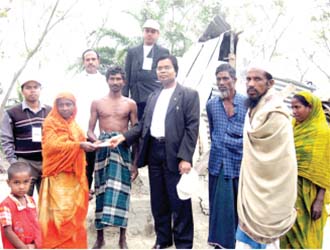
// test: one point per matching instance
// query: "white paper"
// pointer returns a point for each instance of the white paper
(104, 144)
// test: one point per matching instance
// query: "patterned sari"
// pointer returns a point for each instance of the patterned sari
(63, 200)
(312, 149)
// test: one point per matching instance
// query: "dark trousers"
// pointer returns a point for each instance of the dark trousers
(165, 203)
(90, 158)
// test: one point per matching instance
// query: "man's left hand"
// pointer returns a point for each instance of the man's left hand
(184, 167)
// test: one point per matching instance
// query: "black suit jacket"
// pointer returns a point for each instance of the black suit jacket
(181, 127)
(141, 83)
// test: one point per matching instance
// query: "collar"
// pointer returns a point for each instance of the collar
(174, 87)
(20, 207)
(87, 74)
(235, 100)
(148, 46)
(26, 106)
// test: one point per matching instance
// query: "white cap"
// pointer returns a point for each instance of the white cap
(150, 23)
(262, 65)
(30, 76)
(187, 185)
(29, 80)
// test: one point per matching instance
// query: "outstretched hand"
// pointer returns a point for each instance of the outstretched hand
(88, 146)
(116, 140)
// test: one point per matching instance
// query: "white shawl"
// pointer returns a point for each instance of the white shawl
(268, 178)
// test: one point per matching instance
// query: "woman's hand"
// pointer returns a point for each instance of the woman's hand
(317, 205)
(88, 146)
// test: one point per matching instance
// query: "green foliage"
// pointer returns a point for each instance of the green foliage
(321, 20)
(181, 22)
(4, 12)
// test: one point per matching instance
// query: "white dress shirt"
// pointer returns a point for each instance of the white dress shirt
(146, 50)
(86, 88)
(157, 128)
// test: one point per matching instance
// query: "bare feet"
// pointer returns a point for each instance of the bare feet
(122, 239)
(98, 244)
(123, 244)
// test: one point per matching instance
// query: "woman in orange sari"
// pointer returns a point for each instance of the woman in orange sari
(63, 198)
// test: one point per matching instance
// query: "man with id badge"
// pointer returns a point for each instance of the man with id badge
(140, 66)
(21, 131)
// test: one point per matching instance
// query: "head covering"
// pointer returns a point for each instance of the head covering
(54, 112)
(261, 65)
(150, 23)
(61, 142)
(312, 141)
(268, 167)
(29, 80)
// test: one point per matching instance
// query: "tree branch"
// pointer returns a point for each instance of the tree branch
(278, 39)
(24, 36)
(64, 15)
(311, 58)
(32, 52)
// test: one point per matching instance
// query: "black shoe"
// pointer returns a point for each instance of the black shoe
(159, 246)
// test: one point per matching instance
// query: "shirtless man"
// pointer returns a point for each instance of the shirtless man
(114, 113)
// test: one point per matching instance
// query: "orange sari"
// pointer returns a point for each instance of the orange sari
(63, 197)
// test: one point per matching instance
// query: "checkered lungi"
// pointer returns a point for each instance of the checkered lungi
(112, 185)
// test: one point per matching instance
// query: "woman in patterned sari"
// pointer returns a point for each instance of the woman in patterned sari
(311, 133)
(63, 200)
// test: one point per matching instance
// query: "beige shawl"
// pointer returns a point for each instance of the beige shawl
(268, 177)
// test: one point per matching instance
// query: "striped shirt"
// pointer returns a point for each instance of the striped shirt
(16, 131)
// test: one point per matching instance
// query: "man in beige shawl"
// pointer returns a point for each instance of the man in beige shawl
(268, 177)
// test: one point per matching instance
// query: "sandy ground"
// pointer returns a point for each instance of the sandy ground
(140, 233)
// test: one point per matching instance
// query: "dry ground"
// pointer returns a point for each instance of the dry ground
(140, 233)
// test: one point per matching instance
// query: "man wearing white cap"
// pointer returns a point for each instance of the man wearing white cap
(21, 130)
(267, 188)
(140, 66)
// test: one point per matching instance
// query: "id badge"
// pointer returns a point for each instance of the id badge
(147, 63)
(36, 134)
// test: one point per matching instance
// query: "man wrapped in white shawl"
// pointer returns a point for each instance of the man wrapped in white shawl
(268, 177)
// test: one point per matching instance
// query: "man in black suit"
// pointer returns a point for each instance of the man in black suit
(168, 134)
(140, 66)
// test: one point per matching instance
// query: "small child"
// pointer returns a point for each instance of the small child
(18, 214)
